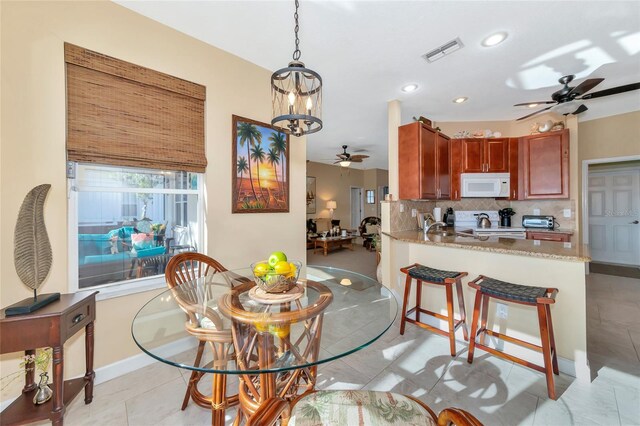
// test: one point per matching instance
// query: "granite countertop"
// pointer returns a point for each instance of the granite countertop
(548, 249)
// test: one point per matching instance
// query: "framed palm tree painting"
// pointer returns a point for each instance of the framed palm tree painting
(260, 168)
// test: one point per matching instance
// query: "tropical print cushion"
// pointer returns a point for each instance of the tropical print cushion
(359, 408)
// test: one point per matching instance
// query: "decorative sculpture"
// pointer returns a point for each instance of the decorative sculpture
(32, 251)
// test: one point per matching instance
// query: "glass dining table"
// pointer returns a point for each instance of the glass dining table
(273, 343)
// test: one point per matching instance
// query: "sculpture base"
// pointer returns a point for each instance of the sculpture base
(31, 304)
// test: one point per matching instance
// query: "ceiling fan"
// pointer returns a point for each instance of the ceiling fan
(570, 97)
(345, 159)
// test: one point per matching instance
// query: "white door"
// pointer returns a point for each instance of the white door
(614, 204)
(356, 207)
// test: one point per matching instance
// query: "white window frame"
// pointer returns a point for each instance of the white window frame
(126, 287)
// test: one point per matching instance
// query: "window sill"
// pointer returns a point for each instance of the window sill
(126, 288)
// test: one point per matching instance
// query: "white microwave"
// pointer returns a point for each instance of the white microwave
(486, 185)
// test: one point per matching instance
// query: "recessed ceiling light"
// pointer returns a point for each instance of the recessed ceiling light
(494, 39)
(410, 88)
(532, 105)
(460, 100)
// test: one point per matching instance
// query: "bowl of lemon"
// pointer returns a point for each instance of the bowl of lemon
(276, 274)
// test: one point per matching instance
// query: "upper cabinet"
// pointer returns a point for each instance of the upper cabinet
(485, 155)
(544, 166)
(424, 163)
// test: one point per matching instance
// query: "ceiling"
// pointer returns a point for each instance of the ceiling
(366, 51)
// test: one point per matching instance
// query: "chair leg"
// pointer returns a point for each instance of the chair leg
(554, 357)
(407, 289)
(418, 298)
(474, 325)
(483, 317)
(463, 311)
(195, 375)
(452, 332)
(546, 350)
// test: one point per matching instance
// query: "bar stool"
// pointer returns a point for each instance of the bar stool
(424, 274)
(540, 297)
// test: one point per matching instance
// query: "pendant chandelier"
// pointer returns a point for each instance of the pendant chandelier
(296, 95)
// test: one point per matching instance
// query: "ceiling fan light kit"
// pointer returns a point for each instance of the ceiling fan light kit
(296, 94)
(567, 100)
(345, 159)
(460, 100)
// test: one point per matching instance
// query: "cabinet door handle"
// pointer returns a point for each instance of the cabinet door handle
(514, 194)
(456, 195)
(77, 318)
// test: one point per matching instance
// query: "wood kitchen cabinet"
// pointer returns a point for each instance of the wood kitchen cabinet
(549, 236)
(544, 166)
(513, 168)
(423, 163)
(485, 155)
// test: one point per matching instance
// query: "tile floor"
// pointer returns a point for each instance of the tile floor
(496, 391)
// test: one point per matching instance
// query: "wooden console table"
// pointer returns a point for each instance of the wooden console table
(50, 326)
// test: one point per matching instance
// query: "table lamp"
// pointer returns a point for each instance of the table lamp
(331, 205)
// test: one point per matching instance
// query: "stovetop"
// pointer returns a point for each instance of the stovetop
(467, 219)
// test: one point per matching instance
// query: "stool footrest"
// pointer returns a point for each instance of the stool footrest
(502, 336)
(511, 358)
(425, 311)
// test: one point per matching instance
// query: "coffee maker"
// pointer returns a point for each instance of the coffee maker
(449, 217)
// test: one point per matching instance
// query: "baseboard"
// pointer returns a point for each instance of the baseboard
(133, 363)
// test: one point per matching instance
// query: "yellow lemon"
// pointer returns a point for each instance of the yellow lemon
(280, 330)
(293, 270)
(260, 269)
(282, 267)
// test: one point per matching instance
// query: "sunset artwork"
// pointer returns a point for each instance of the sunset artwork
(260, 168)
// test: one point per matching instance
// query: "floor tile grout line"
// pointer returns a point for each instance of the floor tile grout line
(615, 397)
(634, 345)
(535, 412)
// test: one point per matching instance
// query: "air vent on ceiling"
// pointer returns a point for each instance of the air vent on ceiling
(443, 50)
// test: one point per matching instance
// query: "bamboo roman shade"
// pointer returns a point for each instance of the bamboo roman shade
(123, 114)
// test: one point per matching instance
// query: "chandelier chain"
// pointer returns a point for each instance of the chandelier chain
(296, 53)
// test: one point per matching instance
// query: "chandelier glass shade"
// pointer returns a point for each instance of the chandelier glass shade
(296, 95)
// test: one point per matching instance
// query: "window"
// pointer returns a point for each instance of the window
(126, 223)
(371, 196)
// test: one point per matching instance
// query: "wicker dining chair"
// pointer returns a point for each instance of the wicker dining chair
(206, 326)
(361, 407)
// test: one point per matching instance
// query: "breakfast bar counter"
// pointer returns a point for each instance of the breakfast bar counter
(546, 249)
(519, 261)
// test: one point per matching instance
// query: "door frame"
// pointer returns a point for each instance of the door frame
(351, 204)
(585, 188)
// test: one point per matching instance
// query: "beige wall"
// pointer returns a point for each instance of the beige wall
(32, 147)
(609, 137)
(335, 182)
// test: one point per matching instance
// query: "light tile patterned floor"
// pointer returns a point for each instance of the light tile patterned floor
(496, 391)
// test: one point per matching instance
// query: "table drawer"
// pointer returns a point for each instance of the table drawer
(77, 318)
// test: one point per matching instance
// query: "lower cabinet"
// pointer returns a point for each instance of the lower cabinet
(549, 236)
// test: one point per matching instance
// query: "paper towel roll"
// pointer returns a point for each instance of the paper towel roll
(437, 214)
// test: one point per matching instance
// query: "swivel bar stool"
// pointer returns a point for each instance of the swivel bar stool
(424, 274)
(541, 298)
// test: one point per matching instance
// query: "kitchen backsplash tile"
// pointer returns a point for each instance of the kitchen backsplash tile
(403, 221)
(547, 208)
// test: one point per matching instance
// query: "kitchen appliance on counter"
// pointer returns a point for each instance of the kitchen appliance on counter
(485, 185)
(468, 219)
(483, 221)
(450, 217)
(535, 221)
(505, 216)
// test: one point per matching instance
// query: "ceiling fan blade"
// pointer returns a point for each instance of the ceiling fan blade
(581, 108)
(585, 86)
(536, 103)
(358, 157)
(356, 160)
(612, 91)
(534, 113)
